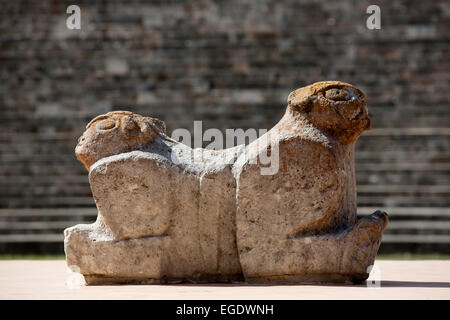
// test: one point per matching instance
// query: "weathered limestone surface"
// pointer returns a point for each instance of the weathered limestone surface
(166, 215)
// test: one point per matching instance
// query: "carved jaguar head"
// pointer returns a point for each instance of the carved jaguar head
(336, 108)
(116, 132)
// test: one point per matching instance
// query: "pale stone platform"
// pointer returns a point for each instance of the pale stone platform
(25, 279)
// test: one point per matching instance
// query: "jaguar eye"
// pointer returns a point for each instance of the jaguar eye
(337, 94)
(106, 124)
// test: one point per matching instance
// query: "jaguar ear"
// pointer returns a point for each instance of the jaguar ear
(129, 126)
(152, 126)
(301, 103)
(160, 125)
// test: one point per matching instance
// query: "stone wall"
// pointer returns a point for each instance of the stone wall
(232, 65)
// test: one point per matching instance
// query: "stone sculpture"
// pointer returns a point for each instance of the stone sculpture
(163, 217)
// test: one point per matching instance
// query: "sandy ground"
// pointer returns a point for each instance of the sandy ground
(26, 279)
